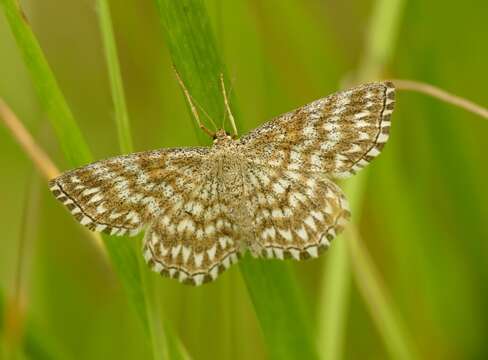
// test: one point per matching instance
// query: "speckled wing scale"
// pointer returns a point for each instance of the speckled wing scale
(269, 192)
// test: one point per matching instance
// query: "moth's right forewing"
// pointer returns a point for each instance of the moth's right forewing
(336, 135)
(121, 195)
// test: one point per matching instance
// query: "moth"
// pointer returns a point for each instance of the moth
(270, 192)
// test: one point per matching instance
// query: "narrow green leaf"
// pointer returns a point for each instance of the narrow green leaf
(195, 57)
(35, 343)
(380, 43)
(165, 343)
(381, 38)
(386, 318)
(174, 347)
(273, 289)
(73, 145)
(117, 87)
(334, 297)
(51, 98)
(2, 311)
(280, 308)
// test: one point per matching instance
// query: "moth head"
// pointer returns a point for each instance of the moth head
(221, 137)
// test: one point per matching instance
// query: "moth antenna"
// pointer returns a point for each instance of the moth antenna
(227, 107)
(193, 108)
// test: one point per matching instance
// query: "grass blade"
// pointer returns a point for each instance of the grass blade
(19, 331)
(158, 335)
(273, 289)
(52, 100)
(116, 84)
(280, 309)
(383, 28)
(187, 30)
(35, 342)
(380, 43)
(335, 301)
(381, 37)
(74, 147)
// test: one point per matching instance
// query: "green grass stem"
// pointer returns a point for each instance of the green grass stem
(160, 339)
(73, 145)
(379, 48)
(273, 290)
(35, 342)
(116, 83)
(50, 96)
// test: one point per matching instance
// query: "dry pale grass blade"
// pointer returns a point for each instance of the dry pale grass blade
(38, 156)
(40, 159)
(375, 294)
(18, 302)
(380, 41)
(435, 92)
(72, 143)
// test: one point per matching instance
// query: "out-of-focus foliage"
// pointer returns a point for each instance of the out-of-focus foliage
(424, 211)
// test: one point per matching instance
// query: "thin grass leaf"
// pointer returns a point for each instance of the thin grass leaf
(334, 295)
(380, 42)
(165, 344)
(337, 282)
(2, 311)
(116, 84)
(280, 309)
(52, 100)
(174, 347)
(273, 290)
(381, 38)
(189, 36)
(35, 342)
(374, 293)
(73, 145)
(380, 45)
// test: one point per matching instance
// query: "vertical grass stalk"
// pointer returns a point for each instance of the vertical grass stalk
(73, 144)
(116, 84)
(380, 41)
(19, 333)
(380, 44)
(273, 290)
(50, 96)
(159, 337)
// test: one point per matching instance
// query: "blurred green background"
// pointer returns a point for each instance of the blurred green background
(423, 216)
